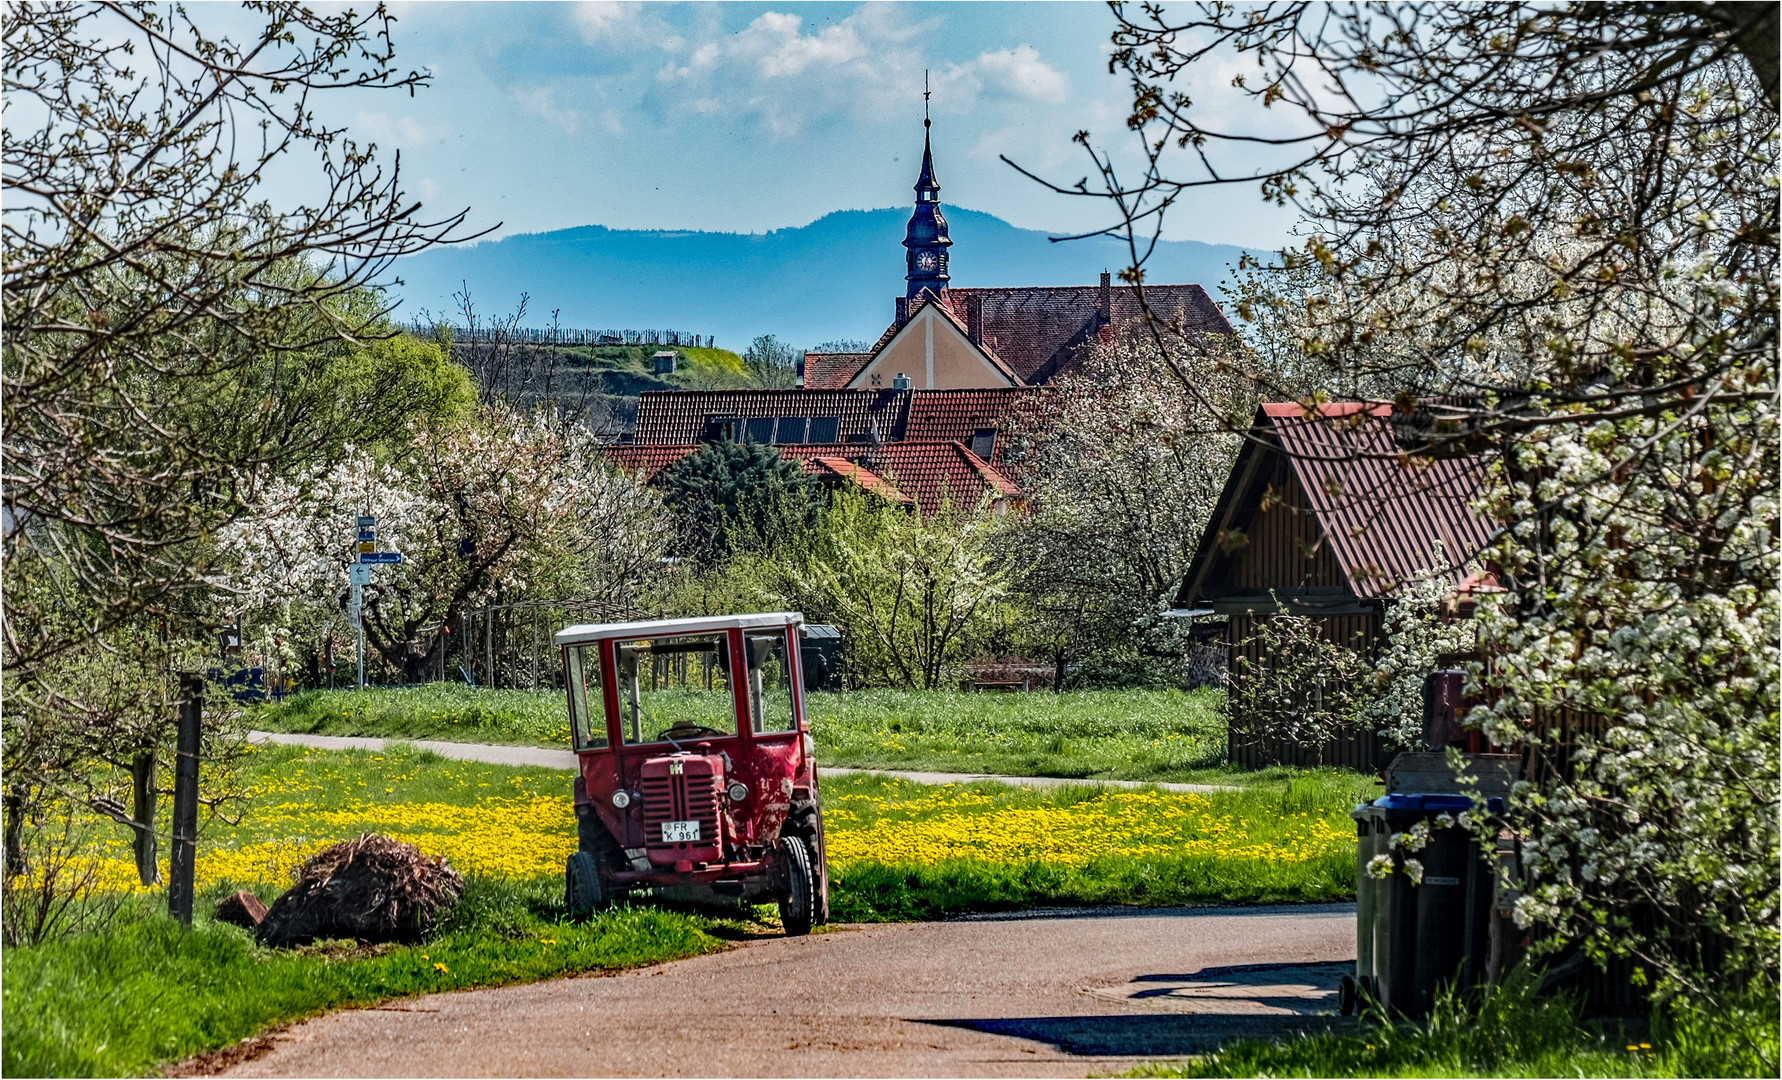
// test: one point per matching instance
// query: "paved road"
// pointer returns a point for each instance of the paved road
(563, 759)
(1032, 994)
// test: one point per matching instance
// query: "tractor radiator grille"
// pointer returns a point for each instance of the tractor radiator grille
(681, 798)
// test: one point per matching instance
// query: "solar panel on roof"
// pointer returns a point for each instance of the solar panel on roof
(825, 429)
(790, 430)
(760, 429)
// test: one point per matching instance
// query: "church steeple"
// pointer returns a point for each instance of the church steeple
(926, 238)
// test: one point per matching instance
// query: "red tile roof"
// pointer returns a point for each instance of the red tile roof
(648, 460)
(831, 371)
(855, 473)
(1038, 332)
(959, 414)
(669, 417)
(933, 472)
(925, 472)
(682, 417)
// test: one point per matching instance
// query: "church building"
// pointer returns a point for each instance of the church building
(919, 418)
(945, 338)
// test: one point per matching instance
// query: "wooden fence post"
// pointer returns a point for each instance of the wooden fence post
(182, 859)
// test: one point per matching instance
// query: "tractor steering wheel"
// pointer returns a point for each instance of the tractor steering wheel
(687, 731)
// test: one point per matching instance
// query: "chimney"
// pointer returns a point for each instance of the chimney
(900, 382)
(1104, 304)
(903, 310)
(974, 318)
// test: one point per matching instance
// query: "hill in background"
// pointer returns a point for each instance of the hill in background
(835, 278)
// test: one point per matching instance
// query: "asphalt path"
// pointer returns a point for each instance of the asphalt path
(1054, 993)
(538, 757)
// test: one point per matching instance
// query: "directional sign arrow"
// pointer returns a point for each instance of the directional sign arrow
(380, 557)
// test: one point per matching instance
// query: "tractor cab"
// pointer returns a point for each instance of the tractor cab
(697, 773)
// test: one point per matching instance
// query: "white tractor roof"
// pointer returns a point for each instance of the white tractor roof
(658, 627)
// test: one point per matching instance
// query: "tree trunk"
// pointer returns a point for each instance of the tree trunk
(15, 832)
(142, 811)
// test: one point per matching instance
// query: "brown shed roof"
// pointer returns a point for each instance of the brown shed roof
(1381, 512)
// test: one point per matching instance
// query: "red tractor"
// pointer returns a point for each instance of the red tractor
(698, 776)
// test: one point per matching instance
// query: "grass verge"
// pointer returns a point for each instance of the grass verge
(1514, 1033)
(148, 991)
(1164, 735)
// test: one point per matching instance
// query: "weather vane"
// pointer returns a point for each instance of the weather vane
(925, 92)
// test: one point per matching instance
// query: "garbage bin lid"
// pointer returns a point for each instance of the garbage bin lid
(1431, 803)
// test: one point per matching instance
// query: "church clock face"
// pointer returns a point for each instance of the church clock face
(926, 261)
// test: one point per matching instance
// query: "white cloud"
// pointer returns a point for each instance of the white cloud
(777, 48)
(599, 20)
(866, 66)
(1021, 72)
(623, 23)
(394, 132)
(541, 101)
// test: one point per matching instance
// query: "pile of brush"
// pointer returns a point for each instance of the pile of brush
(372, 889)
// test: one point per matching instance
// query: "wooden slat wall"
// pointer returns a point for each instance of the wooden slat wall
(1559, 730)
(1286, 548)
(1254, 750)
(1286, 551)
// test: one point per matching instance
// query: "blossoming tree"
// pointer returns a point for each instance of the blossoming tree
(506, 505)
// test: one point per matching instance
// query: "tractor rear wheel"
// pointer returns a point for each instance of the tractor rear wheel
(583, 889)
(799, 908)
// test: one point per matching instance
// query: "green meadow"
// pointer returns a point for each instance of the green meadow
(1163, 735)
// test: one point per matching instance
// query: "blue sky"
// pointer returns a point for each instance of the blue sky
(747, 116)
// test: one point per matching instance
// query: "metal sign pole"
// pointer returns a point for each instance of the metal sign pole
(360, 575)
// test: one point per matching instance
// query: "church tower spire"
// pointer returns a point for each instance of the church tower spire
(926, 238)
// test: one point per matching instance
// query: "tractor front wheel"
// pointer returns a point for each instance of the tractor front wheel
(583, 888)
(799, 908)
(806, 823)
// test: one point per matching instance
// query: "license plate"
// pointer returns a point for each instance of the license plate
(679, 832)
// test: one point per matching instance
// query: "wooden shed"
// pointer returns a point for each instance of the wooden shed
(1323, 515)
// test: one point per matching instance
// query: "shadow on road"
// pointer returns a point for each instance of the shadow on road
(1286, 911)
(1164, 1035)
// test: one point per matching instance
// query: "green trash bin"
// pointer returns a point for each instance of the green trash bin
(1411, 937)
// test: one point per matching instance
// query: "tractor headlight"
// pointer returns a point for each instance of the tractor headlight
(738, 791)
(621, 799)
